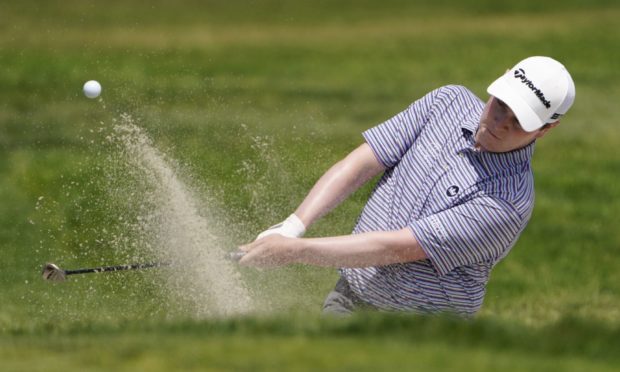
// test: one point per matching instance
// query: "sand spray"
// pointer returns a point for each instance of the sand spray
(179, 232)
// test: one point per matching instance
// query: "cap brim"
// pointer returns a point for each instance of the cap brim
(528, 119)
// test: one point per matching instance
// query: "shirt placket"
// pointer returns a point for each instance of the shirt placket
(443, 160)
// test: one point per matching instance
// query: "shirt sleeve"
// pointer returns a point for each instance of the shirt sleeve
(477, 231)
(391, 139)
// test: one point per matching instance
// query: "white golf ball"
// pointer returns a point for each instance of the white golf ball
(92, 89)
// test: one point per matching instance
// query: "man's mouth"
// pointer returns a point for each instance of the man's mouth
(493, 134)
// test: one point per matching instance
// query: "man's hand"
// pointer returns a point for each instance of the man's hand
(292, 227)
(272, 251)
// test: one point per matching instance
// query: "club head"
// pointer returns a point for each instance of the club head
(53, 273)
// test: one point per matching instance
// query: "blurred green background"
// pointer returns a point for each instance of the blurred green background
(252, 101)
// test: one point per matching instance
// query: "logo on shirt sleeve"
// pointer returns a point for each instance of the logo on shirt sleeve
(452, 191)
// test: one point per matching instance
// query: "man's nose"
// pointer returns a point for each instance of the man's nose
(502, 122)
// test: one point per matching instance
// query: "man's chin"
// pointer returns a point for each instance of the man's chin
(487, 146)
(481, 141)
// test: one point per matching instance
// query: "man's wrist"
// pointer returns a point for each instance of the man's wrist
(302, 250)
(295, 226)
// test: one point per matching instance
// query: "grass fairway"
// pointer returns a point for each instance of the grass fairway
(252, 101)
(365, 342)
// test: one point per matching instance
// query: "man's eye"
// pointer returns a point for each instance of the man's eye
(516, 124)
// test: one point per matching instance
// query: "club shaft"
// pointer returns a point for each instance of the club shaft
(236, 256)
(116, 268)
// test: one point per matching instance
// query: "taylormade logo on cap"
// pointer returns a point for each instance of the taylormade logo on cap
(520, 74)
(539, 90)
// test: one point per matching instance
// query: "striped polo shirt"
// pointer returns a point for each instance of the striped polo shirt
(465, 207)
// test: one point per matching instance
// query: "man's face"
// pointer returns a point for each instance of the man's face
(500, 131)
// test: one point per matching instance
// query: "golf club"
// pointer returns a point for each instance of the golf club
(54, 273)
(236, 255)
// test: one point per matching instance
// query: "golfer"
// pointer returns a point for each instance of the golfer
(456, 192)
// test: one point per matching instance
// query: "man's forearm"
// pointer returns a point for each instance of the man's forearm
(338, 183)
(360, 250)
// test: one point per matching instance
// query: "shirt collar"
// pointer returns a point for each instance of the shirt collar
(470, 124)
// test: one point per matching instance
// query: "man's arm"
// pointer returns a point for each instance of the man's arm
(358, 250)
(342, 179)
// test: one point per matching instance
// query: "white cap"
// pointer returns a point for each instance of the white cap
(539, 90)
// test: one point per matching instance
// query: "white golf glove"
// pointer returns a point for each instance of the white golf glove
(292, 227)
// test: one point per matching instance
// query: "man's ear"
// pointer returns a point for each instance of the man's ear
(542, 131)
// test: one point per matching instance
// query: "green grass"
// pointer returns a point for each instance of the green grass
(253, 101)
(364, 342)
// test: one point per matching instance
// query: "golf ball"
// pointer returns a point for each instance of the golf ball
(92, 89)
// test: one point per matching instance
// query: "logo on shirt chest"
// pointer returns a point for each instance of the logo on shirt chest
(452, 191)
